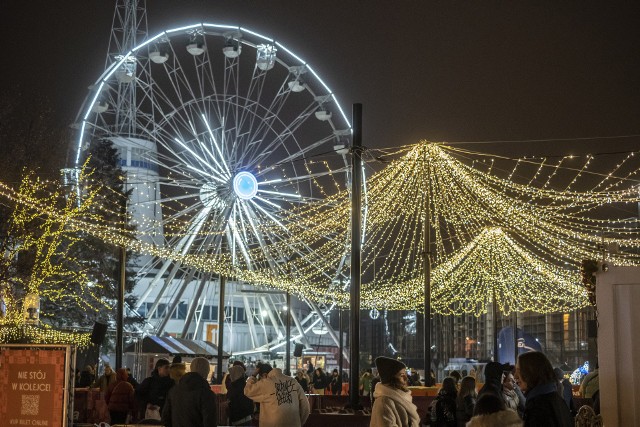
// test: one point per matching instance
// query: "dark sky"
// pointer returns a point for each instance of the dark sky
(445, 70)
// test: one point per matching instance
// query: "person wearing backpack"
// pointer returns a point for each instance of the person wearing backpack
(443, 409)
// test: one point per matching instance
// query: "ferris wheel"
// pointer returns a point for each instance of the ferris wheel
(221, 130)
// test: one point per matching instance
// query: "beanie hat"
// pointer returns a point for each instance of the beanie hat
(176, 359)
(388, 368)
(201, 366)
(494, 370)
(236, 372)
(162, 362)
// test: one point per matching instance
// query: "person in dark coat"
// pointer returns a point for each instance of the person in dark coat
(445, 406)
(240, 406)
(131, 379)
(493, 378)
(466, 400)
(565, 390)
(319, 381)
(303, 380)
(86, 377)
(191, 403)
(335, 384)
(152, 392)
(544, 406)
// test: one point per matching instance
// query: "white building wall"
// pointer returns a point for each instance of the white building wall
(618, 299)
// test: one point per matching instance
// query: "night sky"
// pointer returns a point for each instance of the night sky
(445, 71)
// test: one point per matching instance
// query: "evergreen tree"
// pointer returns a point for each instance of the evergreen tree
(101, 259)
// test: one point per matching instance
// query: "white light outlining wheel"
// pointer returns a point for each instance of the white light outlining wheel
(220, 130)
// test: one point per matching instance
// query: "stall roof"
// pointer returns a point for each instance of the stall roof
(177, 346)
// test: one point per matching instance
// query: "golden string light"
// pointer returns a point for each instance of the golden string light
(547, 228)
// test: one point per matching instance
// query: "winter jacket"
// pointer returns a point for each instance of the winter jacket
(506, 418)
(464, 411)
(590, 384)
(154, 389)
(546, 408)
(282, 400)
(85, 380)
(303, 383)
(393, 408)
(445, 408)
(119, 397)
(493, 386)
(513, 400)
(191, 403)
(335, 385)
(240, 406)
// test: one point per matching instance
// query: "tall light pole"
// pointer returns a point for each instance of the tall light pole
(223, 283)
(287, 366)
(356, 230)
(427, 292)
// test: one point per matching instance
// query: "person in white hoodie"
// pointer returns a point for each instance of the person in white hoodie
(282, 400)
(393, 405)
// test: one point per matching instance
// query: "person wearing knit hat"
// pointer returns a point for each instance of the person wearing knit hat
(177, 368)
(191, 403)
(493, 377)
(393, 405)
(152, 391)
(240, 406)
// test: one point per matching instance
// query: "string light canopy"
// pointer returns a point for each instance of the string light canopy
(551, 213)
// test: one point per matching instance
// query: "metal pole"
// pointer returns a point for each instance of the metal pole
(120, 307)
(495, 327)
(341, 357)
(121, 286)
(427, 291)
(356, 227)
(515, 337)
(223, 282)
(287, 366)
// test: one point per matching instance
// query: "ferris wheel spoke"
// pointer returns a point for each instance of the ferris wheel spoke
(212, 122)
(287, 132)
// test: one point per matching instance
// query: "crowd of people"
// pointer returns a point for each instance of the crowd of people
(531, 393)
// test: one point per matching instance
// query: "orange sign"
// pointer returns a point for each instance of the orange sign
(32, 387)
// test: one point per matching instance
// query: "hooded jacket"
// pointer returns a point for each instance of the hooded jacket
(282, 400)
(119, 395)
(506, 418)
(191, 403)
(393, 408)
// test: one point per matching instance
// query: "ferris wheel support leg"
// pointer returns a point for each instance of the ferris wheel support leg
(193, 305)
(332, 333)
(165, 285)
(252, 326)
(272, 318)
(175, 302)
(294, 316)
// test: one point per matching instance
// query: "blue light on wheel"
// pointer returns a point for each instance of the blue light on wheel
(245, 185)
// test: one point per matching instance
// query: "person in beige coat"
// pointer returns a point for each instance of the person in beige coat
(282, 400)
(393, 405)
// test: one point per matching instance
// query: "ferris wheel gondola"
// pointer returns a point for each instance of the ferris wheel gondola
(221, 130)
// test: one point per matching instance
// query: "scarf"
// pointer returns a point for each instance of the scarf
(403, 398)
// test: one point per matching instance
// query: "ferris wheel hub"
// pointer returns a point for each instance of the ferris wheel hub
(245, 185)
